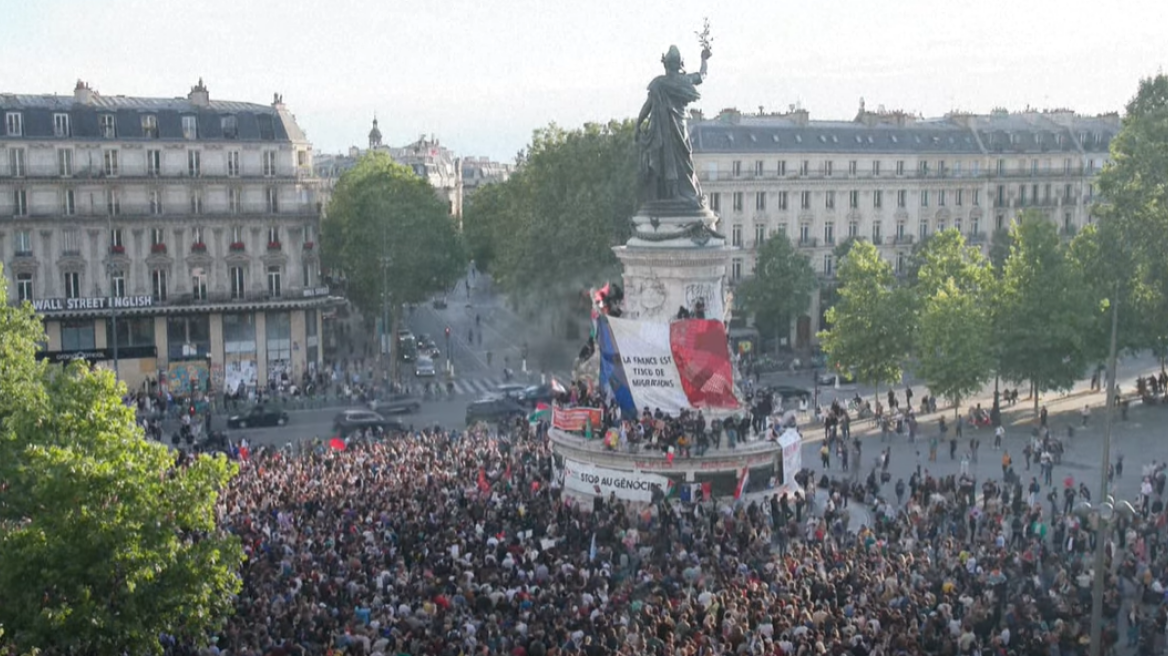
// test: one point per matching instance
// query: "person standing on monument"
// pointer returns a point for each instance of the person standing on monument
(666, 155)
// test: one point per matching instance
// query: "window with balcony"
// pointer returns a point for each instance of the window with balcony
(199, 284)
(274, 281)
(959, 197)
(61, 125)
(877, 232)
(72, 284)
(68, 202)
(827, 168)
(110, 162)
(736, 269)
(941, 198)
(233, 163)
(957, 224)
(900, 167)
(229, 126)
(805, 200)
(829, 199)
(1022, 194)
(829, 233)
(236, 278)
(190, 127)
(975, 227)
(901, 263)
(16, 162)
(976, 197)
(876, 168)
(924, 198)
(760, 200)
(975, 168)
(902, 198)
(150, 126)
(781, 168)
(878, 199)
(65, 162)
(759, 234)
(155, 198)
(14, 124)
(736, 235)
(158, 285)
(804, 233)
(828, 264)
(1001, 167)
(957, 169)
(1034, 194)
(194, 163)
(71, 241)
(715, 201)
(782, 200)
(24, 287)
(154, 163)
(804, 167)
(24, 242)
(196, 202)
(923, 230)
(116, 239)
(999, 221)
(308, 277)
(853, 199)
(157, 237)
(900, 231)
(736, 168)
(758, 168)
(272, 195)
(19, 202)
(1046, 191)
(940, 226)
(269, 163)
(923, 167)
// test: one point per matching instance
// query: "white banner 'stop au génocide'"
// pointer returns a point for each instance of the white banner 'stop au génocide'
(628, 486)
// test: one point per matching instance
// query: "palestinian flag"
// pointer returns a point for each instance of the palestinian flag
(743, 480)
(542, 412)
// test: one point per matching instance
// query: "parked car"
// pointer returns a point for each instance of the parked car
(513, 391)
(440, 303)
(494, 409)
(258, 415)
(424, 367)
(789, 392)
(392, 404)
(350, 421)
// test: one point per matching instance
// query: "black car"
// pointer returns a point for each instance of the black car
(394, 404)
(440, 303)
(258, 415)
(351, 421)
(494, 409)
(789, 392)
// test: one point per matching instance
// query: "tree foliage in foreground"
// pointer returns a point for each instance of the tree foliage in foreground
(548, 231)
(871, 323)
(1044, 318)
(104, 544)
(955, 295)
(781, 287)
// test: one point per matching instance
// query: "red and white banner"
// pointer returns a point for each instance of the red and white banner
(668, 366)
(575, 420)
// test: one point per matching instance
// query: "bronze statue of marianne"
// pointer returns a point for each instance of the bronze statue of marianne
(666, 156)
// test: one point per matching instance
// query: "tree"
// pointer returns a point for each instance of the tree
(1133, 226)
(549, 229)
(392, 236)
(1044, 318)
(954, 295)
(781, 287)
(104, 543)
(1000, 243)
(871, 323)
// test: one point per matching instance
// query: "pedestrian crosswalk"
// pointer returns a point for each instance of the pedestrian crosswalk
(477, 387)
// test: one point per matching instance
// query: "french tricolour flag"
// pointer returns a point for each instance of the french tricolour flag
(743, 480)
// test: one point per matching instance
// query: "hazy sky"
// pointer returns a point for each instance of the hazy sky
(482, 75)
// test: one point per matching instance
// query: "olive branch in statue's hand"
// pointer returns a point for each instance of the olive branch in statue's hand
(705, 40)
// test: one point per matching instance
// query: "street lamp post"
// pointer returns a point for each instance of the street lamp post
(111, 270)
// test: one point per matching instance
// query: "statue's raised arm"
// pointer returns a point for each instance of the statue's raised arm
(666, 155)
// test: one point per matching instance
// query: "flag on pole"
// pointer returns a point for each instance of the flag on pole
(557, 387)
(542, 412)
(588, 426)
(592, 549)
(484, 486)
(337, 444)
(743, 480)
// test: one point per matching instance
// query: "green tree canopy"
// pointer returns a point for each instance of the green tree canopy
(548, 231)
(392, 236)
(781, 287)
(1044, 318)
(871, 322)
(104, 543)
(954, 292)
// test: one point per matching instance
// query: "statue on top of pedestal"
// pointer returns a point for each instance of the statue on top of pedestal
(666, 155)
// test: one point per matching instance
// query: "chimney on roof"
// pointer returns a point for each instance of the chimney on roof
(82, 93)
(278, 104)
(199, 96)
(800, 116)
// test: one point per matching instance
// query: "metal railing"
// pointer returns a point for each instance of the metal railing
(102, 208)
(122, 172)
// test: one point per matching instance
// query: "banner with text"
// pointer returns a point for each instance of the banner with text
(575, 420)
(599, 481)
(667, 366)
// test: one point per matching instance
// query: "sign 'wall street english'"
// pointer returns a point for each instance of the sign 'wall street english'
(95, 303)
(667, 366)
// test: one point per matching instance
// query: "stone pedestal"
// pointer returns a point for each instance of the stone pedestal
(673, 260)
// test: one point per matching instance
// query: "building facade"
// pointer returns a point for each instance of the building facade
(183, 231)
(893, 179)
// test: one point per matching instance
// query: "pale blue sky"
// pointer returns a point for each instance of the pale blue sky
(482, 75)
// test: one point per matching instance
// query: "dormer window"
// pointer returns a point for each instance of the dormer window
(150, 126)
(230, 127)
(108, 126)
(190, 127)
(60, 125)
(14, 124)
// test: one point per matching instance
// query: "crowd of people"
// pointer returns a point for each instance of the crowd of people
(464, 543)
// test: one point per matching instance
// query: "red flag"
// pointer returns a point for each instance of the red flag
(243, 453)
(483, 484)
(743, 481)
(507, 474)
(707, 490)
(337, 444)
